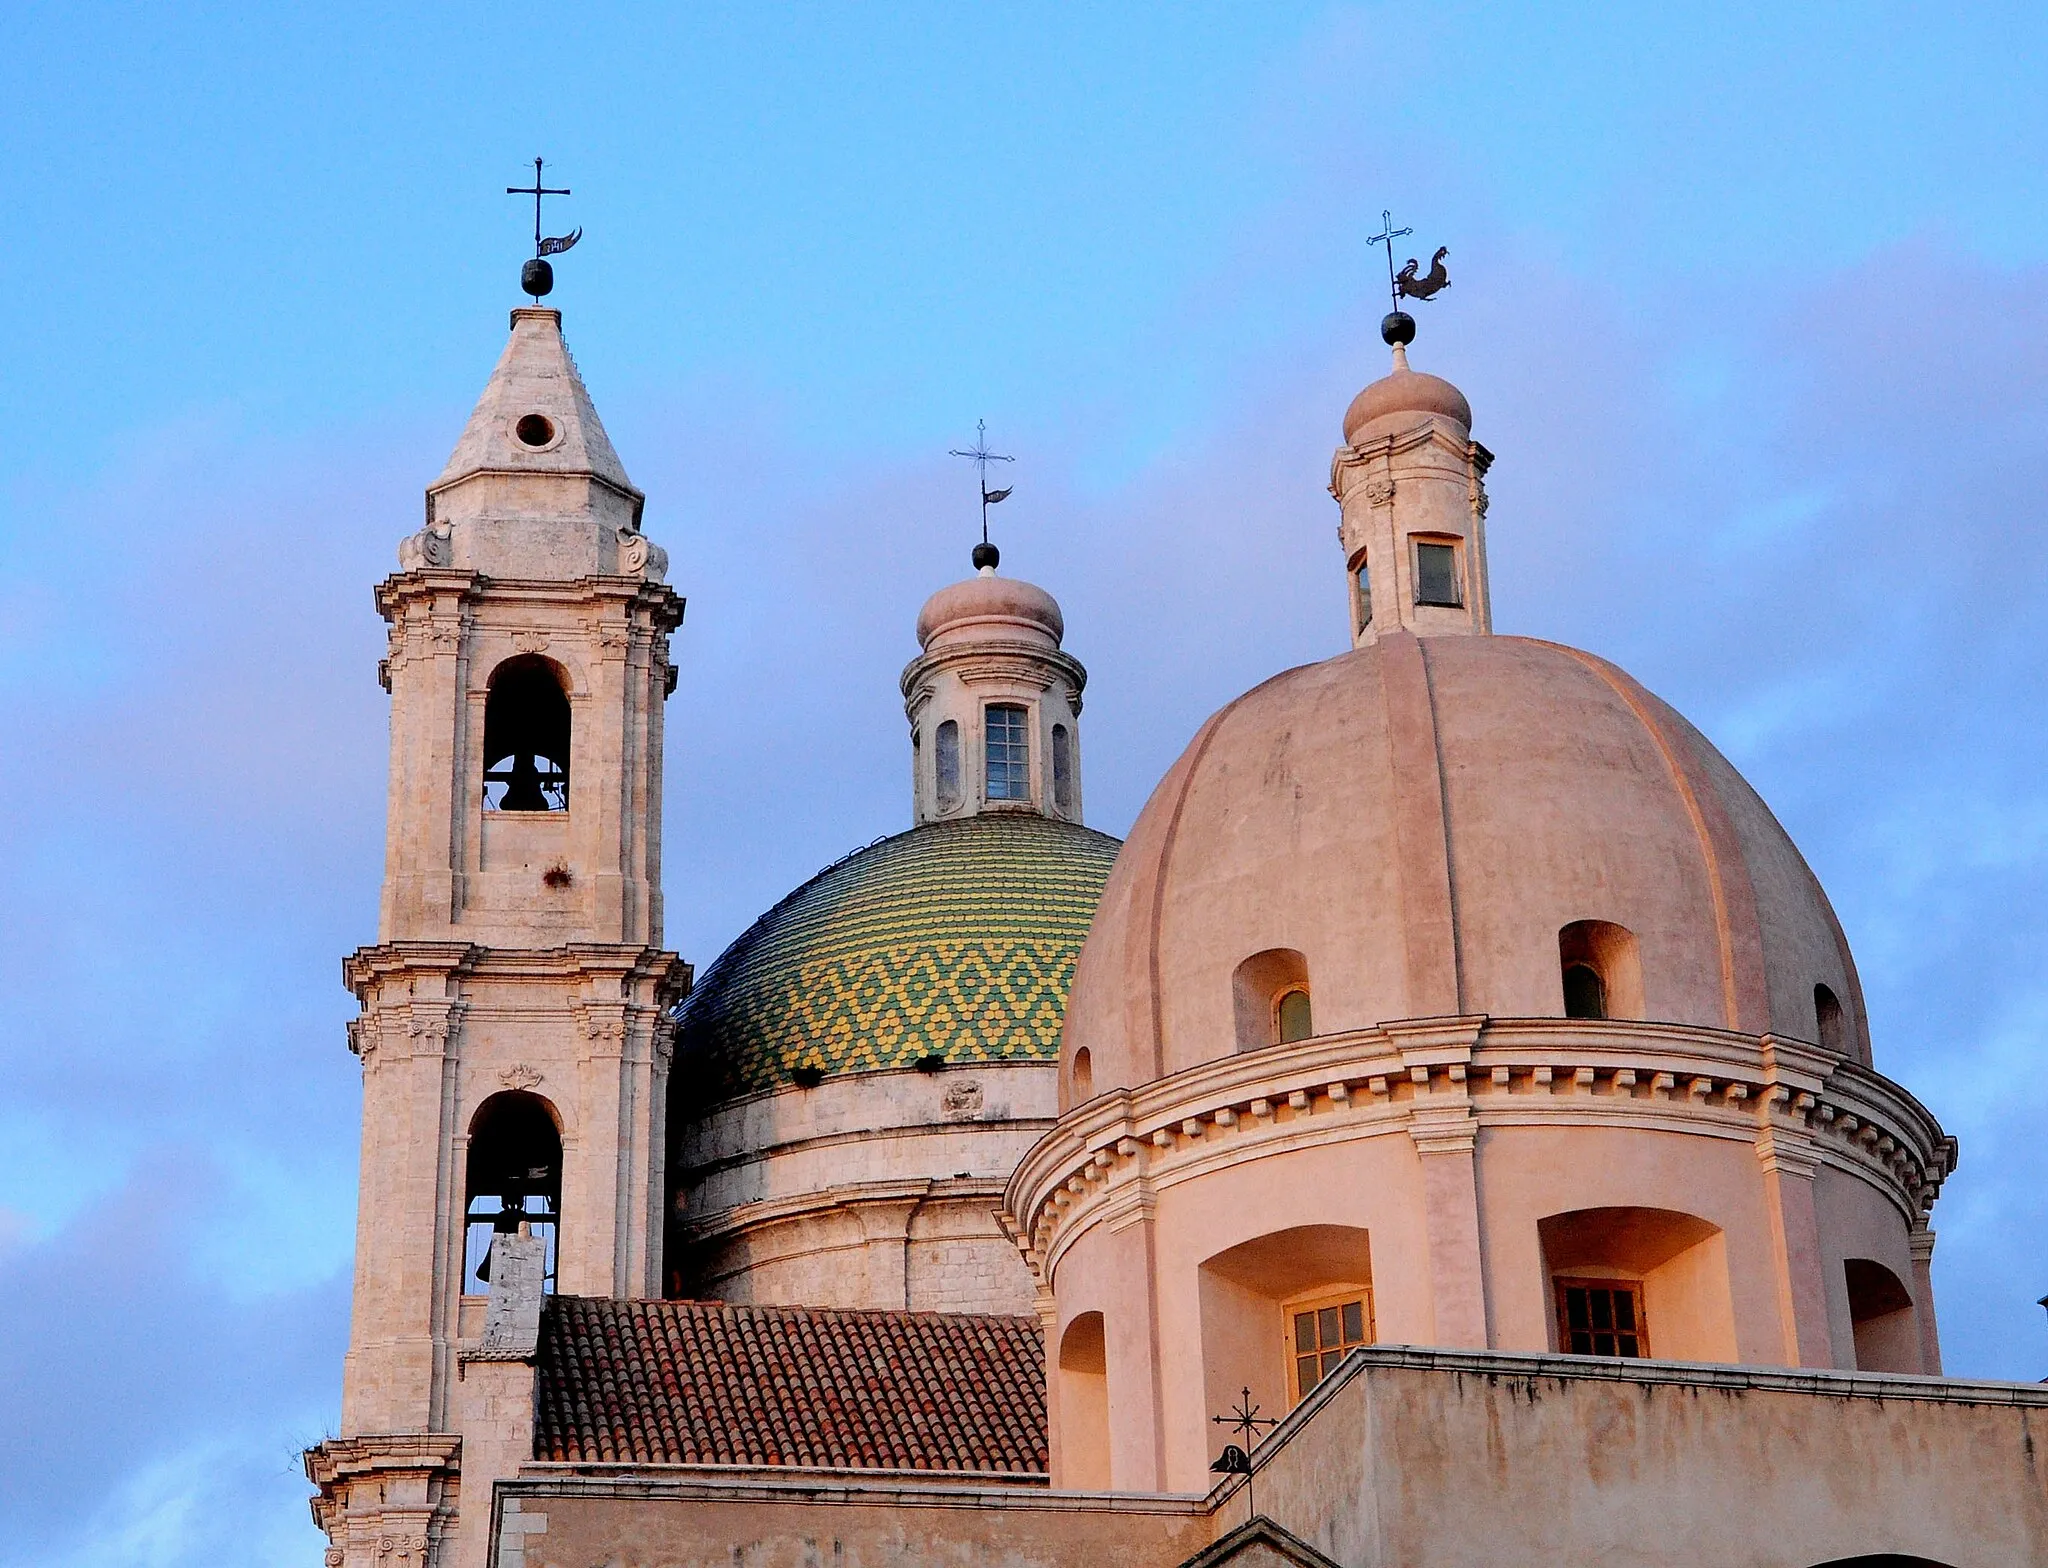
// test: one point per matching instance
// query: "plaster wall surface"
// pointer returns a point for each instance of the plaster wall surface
(1449, 1460)
(869, 1522)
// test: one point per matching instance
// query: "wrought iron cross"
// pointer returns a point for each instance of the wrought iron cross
(982, 457)
(1243, 1418)
(537, 190)
(1386, 236)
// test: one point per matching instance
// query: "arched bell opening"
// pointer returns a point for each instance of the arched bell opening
(1638, 1283)
(1084, 1405)
(513, 1178)
(526, 737)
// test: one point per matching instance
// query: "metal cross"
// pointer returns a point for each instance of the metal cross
(1387, 235)
(1245, 1418)
(537, 190)
(982, 457)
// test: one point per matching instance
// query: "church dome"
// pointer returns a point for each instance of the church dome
(987, 606)
(1406, 393)
(1418, 824)
(954, 939)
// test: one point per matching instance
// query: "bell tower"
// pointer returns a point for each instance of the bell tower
(513, 1024)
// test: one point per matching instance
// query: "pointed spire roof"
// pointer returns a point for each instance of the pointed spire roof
(535, 417)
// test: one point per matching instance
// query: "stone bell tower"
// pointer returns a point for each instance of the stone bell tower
(512, 1032)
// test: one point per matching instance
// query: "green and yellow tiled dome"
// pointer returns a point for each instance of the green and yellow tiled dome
(955, 939)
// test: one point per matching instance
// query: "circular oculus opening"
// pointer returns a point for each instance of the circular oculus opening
(534, 430)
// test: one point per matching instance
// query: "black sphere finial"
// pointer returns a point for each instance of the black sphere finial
(537, 278)
(986, 554)
(1397, 328)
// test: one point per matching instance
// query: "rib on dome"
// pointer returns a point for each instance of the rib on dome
(1420, 819)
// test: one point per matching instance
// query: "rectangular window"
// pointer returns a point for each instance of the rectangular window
(1009, 754)
(1601, 1317)
(1436, 574)
(1321, 1331)
(1063, 770)
(1363, 577)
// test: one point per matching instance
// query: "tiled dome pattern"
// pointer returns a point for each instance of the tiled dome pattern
(955, 939)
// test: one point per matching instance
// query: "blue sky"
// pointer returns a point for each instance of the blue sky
(1750, 303)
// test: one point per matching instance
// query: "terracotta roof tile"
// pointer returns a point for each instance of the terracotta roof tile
(693, 1382)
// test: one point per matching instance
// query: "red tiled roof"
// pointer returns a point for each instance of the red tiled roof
(696, 1382)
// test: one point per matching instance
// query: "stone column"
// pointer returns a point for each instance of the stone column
(1789, 1162)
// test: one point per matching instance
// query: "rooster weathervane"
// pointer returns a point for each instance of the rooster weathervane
(1409, 283)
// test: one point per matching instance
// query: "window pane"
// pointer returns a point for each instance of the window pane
(1575, 1308)
(1436, 574)
(1354, 1323)
(1603, 1309)
(1630, 1346)
(1304, 1331)
(1364, 595)
(1326, 1326)
(1625, 1310)
(1305, 1377)
(1008, 754)
(1295, 1020)
(1330, 1360)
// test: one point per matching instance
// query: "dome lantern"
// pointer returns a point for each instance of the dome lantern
(994, 704)
(1410, 482)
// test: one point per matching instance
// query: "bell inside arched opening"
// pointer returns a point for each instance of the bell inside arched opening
(514, 1179)
(526, 738)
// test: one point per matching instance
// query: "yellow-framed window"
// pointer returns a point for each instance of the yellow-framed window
(1321, 1330)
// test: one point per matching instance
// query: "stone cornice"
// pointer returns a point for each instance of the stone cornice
(1469, 455)
(978, 663)
(344, 1458)
(658, 600)
(621, 960)
(1440, 1081)
(843, 1198)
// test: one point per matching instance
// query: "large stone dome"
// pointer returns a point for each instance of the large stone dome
(1417, 821)
(954, 939)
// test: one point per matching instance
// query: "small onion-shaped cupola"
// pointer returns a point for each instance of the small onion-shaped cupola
(994, 704)
(1411, 484)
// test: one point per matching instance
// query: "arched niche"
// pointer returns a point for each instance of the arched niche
(1271, 1000)
(1599, 970)
(527, 741)
(1084, 1405)
(1253, 1300)
(1638, 1282)
(512, 1176)
(1881, 1314)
